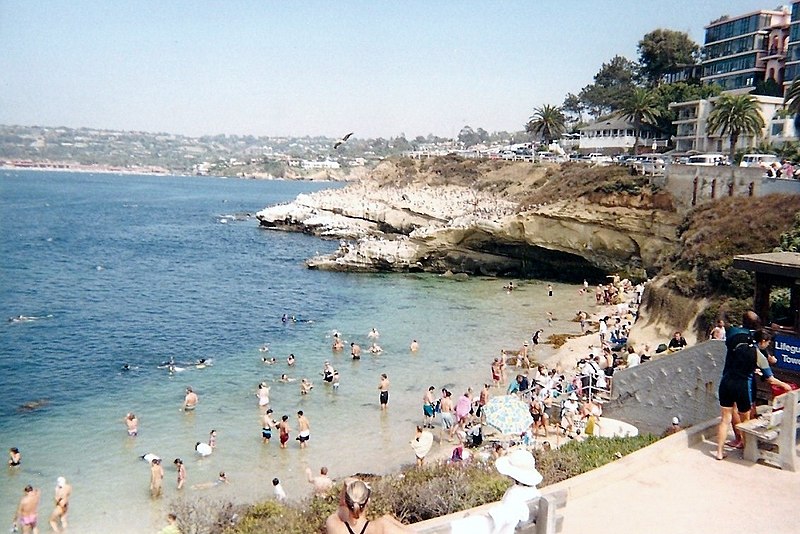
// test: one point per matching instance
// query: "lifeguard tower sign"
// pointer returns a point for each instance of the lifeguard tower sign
(787, 351)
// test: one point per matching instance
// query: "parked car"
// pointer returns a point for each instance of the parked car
(600, 159)
(708, 160)
(648, 164)
(758, 160)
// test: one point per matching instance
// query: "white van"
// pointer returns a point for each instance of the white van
(708, 160)
(758, 160)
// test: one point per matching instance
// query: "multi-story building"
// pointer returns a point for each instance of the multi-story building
(741, 51)
(793, 48)
(692, 134)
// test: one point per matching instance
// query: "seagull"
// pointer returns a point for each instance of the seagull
(342, 141)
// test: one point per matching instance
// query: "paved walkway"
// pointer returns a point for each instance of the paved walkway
(683, 489)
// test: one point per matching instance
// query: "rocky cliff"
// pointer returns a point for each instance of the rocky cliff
(492, 217)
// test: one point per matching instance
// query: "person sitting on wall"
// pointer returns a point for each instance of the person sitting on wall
(677, 342)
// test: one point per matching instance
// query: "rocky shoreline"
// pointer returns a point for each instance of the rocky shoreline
(416, 226)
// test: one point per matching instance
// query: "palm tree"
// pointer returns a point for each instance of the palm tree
(639, 108)
(548, 122)
(735, 115)
(791, 100)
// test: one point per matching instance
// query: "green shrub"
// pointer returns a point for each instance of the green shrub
(416, 494)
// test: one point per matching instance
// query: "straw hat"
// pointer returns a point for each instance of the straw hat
(519, 465)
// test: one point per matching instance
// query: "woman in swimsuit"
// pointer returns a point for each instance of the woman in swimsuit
(349, 517)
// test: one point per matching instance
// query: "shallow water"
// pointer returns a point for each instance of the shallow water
(138, 270)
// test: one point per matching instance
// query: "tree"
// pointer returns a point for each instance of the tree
(664, 51)
(612, 84)
(548, 122)
(792, 98)
(735, 115)
(468, 137)
(640, 108)
(573, 107)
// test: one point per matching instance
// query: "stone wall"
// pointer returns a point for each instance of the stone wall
(683, 385)
(692, 185)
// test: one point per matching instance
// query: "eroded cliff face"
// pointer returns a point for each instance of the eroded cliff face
(422, 219)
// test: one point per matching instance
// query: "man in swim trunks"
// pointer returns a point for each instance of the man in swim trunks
(267, 424)
(383, 386)
(190, 400)
(322, 483)
(428, 407)
(283, 431)
(63, 492)
(303, 428)
(448, 419)
(355, 351)
(26, 511)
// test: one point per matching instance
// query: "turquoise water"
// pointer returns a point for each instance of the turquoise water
(141, 269)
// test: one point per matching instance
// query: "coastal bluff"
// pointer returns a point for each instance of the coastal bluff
(492, 218)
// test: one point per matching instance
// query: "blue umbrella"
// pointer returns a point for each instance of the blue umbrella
(508, 414)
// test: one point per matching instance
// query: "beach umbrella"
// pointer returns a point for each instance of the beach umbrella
(508, 414)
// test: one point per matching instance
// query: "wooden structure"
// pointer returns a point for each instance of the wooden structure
(772, 436)
(778, 270)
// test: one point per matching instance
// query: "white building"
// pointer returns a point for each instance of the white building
(692, 133)
(615, 135)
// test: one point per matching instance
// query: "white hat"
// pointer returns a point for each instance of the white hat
(573, 396)
(519, 465)
(676, 421)
(61, 482)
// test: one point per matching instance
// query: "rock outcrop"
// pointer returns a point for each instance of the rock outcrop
(429, 223)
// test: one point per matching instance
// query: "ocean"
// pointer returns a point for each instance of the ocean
(112, 270)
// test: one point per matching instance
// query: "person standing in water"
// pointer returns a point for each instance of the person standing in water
(181, 472)
(383, 386)
(303, 429)
(27, 510)
(132, 423)
(190, 400)
(62, 495)
(156, 477)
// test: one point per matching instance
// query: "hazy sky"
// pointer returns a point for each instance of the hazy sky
(377, 68)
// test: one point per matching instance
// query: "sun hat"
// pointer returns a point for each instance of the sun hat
(676, 421)
(61, 482)
(573, 396)
(519, 465)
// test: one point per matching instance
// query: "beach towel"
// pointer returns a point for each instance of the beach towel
(422, 445)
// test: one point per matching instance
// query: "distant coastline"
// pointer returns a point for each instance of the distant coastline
(141, 171)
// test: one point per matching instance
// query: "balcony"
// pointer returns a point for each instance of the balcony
(774, 53)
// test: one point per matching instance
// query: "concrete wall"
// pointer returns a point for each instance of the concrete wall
(683, 385)
(693, 185)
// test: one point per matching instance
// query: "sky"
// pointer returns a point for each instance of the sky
(296, 68)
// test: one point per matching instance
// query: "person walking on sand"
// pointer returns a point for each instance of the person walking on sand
(448, 419)
(27, 511)
(181, 472)
(383, 386)
(62, 495)
(156, 477)
(283, 431)
(190, 400)
(322, 483)
(303, 429)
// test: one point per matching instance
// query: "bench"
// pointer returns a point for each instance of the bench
(777, 429)
(545, 513)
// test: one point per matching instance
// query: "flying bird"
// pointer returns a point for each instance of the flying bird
(342, 141)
